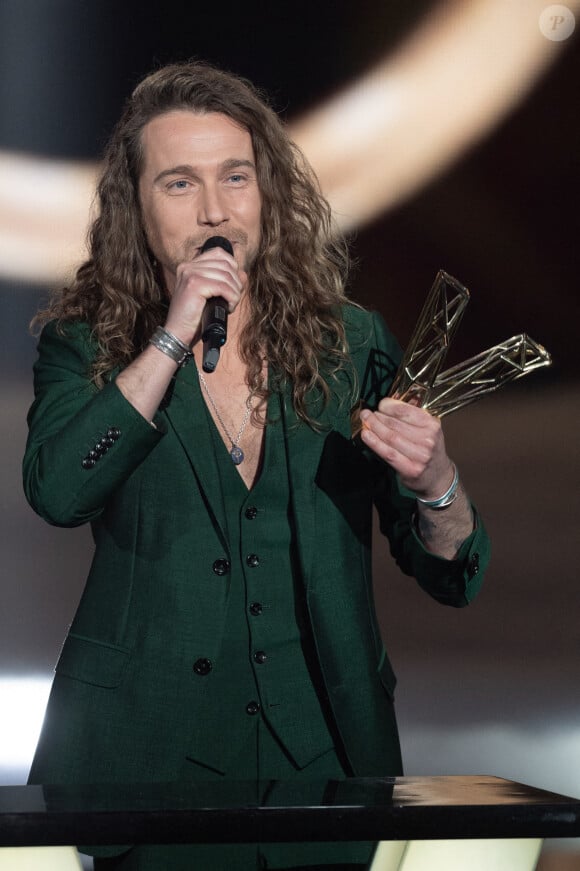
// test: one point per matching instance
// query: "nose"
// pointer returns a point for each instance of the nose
(212, 207)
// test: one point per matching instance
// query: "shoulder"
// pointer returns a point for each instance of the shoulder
(68, 331)
(67, 344)
(366, 330)
(373, 350)
(68, 334)
(355, 317)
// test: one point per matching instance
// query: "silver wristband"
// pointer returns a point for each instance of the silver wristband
(447, 498)
(169, 344)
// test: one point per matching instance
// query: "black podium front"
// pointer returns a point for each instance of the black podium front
(381, 809)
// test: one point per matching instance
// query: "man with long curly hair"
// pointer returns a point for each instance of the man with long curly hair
(227, 631)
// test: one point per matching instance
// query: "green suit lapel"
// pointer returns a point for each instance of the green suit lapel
(187, 416)
(304, 447)
(185, 411)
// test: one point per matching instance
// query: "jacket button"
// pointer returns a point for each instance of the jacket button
(256, 609)
(88, 463)
(473, 566)
(251, 512)
(113, 433)
(202, 666)
(252, 708)
(260, 657)
(253, 560)
(221, 566)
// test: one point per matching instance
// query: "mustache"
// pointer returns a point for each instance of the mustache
(193, 244)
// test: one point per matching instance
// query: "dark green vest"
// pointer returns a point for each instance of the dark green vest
(266, 666)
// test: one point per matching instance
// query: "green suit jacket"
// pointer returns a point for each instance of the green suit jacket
(124, 699)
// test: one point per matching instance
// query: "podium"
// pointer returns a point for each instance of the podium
(420, 822)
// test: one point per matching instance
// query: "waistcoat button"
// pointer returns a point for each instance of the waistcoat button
(256, 609)
(251, 512)
(253, 560)
(260, 657)
(221, 566)
(252, 708)
(202, 666)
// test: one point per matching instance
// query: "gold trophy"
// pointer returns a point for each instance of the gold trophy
(420, 379)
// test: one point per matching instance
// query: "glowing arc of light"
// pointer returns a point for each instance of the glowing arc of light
(465, 67)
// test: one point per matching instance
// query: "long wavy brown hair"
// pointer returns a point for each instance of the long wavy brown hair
(296, 285)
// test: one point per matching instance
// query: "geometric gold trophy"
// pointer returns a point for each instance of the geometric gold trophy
(420, 379)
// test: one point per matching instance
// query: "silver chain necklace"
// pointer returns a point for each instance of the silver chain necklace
(236, 452)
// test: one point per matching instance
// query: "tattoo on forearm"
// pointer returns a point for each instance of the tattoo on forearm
(427, 528)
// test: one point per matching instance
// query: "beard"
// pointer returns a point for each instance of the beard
(193, 244)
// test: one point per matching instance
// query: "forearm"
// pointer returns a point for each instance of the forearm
(71, 467)
(443, 530)
(145, 381)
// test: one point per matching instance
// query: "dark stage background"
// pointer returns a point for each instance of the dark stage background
(491, 689)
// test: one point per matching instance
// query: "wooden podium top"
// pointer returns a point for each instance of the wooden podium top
(400, 808)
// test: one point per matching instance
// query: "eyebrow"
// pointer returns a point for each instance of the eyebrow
(188, 169)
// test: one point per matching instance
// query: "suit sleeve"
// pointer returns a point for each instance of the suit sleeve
(452, 582)
(83, 441)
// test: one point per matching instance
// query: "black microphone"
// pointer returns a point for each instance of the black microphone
(214, 320)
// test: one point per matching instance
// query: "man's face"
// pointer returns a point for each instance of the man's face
(198, 180)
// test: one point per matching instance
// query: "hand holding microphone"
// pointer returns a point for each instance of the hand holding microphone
(214, 320)
(194, 311)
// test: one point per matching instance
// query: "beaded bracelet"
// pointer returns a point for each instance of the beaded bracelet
(169, 344)
(447, 498)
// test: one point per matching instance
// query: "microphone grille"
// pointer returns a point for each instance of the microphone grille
(217, 242)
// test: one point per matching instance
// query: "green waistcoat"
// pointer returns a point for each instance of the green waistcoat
(261, 669)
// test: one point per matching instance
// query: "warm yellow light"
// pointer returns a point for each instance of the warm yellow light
(44, 209)
(467, 65)
(464, 68)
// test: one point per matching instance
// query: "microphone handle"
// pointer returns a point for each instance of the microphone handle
(214, 331)
(211, 355)
(214, 320)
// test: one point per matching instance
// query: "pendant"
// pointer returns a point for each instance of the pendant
(237, 455)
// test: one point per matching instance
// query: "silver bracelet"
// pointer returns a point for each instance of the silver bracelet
(169, 344)
(447, 498)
